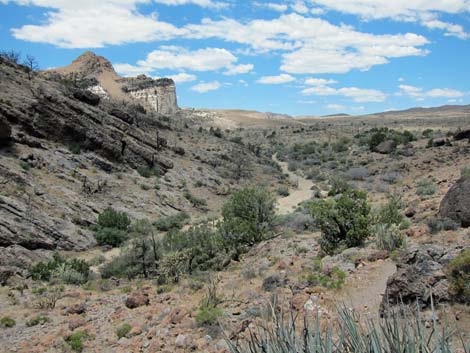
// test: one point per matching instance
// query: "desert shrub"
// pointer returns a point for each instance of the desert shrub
(358, 173)
(436, 225)
(296, 221)
(111, 236)
(465, 172)
(334, 279)
(123, 329)
(7, 322)
(374, 137)
(428, 133)
(75, 148)
(425, 187)
(459, 276)
(38, 320)
(248, 217)
(391, 212)
(343, 222)
(48, 299)
(341, 145)
(283, 191)
(338, 186)
(176, 221)
(397, 331)
(44, 271)
(391, 177)
(148, 172)
(110, 218)
(75, 340)
(195, 201)
(389, 237)
(208, 316)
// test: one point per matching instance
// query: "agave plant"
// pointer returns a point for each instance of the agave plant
(398, 331)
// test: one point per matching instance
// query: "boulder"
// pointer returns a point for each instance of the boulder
(420, 274)
(122, 115)
(462, 135)
(137, 299)
(386, 147)
(87, 97)
(272, 282)
(456, 203)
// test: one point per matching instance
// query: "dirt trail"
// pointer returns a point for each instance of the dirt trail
(302, 193)
(364, 289)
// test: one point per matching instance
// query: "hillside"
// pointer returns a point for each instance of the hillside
(128, 224)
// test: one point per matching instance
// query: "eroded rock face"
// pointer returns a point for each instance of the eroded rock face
(420, 274)
(456, 204)
(159, 97)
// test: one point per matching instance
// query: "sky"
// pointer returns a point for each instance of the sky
(297, 57)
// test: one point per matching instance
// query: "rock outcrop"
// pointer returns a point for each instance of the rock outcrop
(456, 204)
(5, 131)
(156, 95)
(420, 275)
(386, 147)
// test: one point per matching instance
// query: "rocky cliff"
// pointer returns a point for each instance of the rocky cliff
(157, 95)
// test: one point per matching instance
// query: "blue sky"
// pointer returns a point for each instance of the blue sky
(299, 57)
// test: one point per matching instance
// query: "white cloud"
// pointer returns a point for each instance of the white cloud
(335, 107)
(299, 6)
(239, 69)
(312, 81)
(202, 3)
(276, 80)
(272, 6)
(206, 87)
(422, 11)
(128, 70)
(419, 94)
(359, 95)
(183, 77)
(401, 79)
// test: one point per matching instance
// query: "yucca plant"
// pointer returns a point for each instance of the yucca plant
(399, 331)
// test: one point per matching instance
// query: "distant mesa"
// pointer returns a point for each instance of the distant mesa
(158, 95)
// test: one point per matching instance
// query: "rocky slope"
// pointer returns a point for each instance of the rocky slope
(156, 95)
(66, 155)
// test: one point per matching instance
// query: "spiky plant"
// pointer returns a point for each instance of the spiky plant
(399, 331)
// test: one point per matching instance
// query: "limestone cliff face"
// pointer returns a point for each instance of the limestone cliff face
(158, 95)
(160, 98)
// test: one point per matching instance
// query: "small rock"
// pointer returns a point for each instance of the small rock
(77, 309)
(181, 341)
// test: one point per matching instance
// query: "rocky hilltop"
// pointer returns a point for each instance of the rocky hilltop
(158, 95)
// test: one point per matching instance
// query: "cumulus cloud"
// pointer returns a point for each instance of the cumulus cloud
(183, 77)
(335, 107)
(360, 95)
(422, 11)
(206, 87)
(272, 6)
(202, 3)
(312, 81)
(276, 80)
(239, 69)
(419, 94)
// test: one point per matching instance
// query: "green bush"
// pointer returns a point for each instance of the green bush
(176, 221)
(389, 237)
(425, 187)
(123, 330)
(338, 186)
(332, 280)
(111, 236)
(148, 172)
(110, 218)
(74, 148)
(248, 217)
(75, 340)
(391, 212)
(37, 320)
(459, 277)
(44, 271)
(7, 322)
(283, 191)
(465, 172)
(343, 222)
(208, 316)
(439, 224)
(195, 201)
